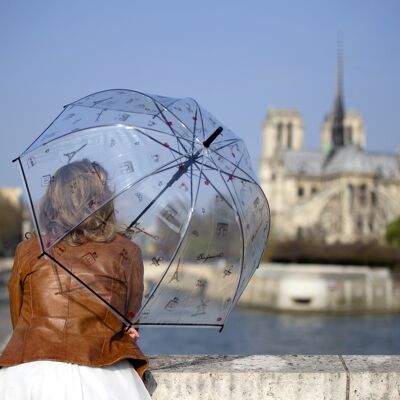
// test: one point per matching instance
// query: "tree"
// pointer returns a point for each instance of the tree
(10, 226)
(393, 232)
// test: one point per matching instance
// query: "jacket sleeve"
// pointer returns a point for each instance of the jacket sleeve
(135, 285)
(15, 289)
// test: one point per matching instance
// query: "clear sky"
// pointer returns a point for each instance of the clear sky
(237, 58)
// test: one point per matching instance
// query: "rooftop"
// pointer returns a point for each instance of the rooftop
(348, 159)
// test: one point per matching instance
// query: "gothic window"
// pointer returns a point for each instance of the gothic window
(373, 199)
(350, 187)
(349, 134)
(359, 224)
(300, 191)
(300, 233)
(331, 217)
(279, 133)
(289, 137)
(371, 223)
(363, 194)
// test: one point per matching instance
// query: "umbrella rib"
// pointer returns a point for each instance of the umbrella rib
(269, 226)
(109, 90)
(194, 128)
(229, 174)
(30, 202)
(231, 141)
(201, 117)
(174, 136)
(163, 169)
(191, 186)
(173, 132)
(242, 237)
(175, 324)
(126, 111)
(102, 126)
(162, 144)
(173, 179)
(167, 108)
(214, 187)
(86, 286)
(164, 133)
(170, 126)
(51, 123)
(99, 126)
(177, 248)
(236, 166)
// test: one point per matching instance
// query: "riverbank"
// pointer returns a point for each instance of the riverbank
(323, 288)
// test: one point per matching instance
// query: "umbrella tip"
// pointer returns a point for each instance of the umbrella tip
(213, 136)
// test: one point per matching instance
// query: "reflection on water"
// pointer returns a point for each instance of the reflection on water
(257, 332)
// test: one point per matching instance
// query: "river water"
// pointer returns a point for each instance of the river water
(249, 331)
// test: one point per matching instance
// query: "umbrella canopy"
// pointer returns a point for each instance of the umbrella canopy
(176, 181)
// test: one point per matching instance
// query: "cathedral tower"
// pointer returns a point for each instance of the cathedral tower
(283, 130)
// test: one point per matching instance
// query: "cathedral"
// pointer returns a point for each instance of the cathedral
(338, 193)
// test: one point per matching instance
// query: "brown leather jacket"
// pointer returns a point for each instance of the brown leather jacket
(55, 318)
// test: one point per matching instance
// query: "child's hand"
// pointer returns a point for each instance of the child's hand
(133, 333)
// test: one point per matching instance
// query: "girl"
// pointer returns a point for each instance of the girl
(66, 344)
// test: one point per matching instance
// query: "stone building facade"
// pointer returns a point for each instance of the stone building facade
(338, 193)
(12, 194)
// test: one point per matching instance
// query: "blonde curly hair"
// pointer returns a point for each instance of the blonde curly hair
(71, 201)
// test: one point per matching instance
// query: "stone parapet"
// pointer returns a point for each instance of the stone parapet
(217, 377)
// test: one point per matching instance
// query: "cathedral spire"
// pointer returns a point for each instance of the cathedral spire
(338, 107)
(339, 69)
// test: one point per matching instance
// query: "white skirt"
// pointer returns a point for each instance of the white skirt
(49, 380)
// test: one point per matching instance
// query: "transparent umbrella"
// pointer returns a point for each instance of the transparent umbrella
(181, 186)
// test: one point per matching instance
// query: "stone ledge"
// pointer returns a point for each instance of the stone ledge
(217, 377)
